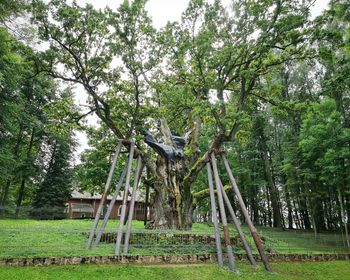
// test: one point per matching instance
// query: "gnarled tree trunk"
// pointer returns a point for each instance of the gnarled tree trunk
(172, 199)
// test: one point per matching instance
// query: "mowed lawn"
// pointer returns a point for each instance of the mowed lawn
(29, 238)
(339, 270)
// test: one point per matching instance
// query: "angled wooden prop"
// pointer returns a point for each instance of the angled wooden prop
(125, 200)
(214, 216)
(227, 239)
(251, 227)
(110, 206)
(238, 227)
(104, 195)
(138, 173)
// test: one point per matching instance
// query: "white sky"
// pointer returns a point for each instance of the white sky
(161, 12)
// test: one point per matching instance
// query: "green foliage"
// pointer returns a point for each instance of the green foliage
(10, 8)
(50, 198)
(324, 143)
(259, 78)
(33, 110)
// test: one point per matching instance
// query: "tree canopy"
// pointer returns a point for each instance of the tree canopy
(260, 80)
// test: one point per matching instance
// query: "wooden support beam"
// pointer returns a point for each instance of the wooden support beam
(238, 227)
(138, 173)
(251, 227)
(214, 216)
(146, 205)
(125, 199)
(110, 206)
(104, 195)
(231, 260)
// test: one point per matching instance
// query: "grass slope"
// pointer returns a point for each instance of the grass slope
(27, 238)
(324, 270)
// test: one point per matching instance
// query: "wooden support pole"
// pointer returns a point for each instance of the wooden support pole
(125, 200)
(138, 173)
(238, 227)
(214, 216)
(251, 227)
(104, 195)
(146, 204)
(231, 260)
(110, 206)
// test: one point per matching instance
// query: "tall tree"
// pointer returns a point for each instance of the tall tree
(55, 190)
(210, 52)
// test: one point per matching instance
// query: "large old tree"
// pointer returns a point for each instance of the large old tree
(198, 76)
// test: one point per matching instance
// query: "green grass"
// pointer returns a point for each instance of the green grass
(302, 241)
(28, 238)
(287, 271)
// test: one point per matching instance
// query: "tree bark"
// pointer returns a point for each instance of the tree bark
(276, 214)
(303, 210)
(172, 199)
(289, 208)
(146, 203)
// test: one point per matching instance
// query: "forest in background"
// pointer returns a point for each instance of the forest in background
(282, 88)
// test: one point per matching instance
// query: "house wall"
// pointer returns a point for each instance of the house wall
(139, 209)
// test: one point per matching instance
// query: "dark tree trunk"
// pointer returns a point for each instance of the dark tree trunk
(296, 216)
(273, 192)
(5, 196)
(264, 218)
(290, 210)
(327, 215)
(268, 208)
(255, 207)
(146, 203)
(304, 211)
(274, 197)
(305, 218)
(24, 176)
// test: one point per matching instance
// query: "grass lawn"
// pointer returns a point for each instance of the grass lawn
(339, 270)
(22, 238)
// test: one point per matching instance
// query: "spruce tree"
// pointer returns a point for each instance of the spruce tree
(56, 187)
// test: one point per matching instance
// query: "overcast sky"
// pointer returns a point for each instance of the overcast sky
(161, 12)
